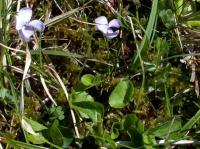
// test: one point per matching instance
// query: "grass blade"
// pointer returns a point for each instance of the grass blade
(58, 53)
(148, 34)
(192, 121)
(19, 144)
(47, 90)
(61, 17)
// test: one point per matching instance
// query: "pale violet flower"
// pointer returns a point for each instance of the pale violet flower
(25, 26)
(111, 29)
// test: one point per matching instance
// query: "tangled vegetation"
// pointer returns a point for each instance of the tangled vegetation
(99, 74)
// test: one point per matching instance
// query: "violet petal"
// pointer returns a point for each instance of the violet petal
(102, 24)
(114, 23)
(38, 25)
(112, 34)
(26, 32)
(23, 17)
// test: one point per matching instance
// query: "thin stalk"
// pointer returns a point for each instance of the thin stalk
(1, 38)
(53, 145)
(167, 103)
(40, 52)
(1, 41)
(140, 58)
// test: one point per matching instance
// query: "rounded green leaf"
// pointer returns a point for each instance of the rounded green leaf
(122, 94)
(82, 96)
(90, 108)
(88, 80)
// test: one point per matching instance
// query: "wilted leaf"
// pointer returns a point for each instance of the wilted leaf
(27, 127)
(35, 125)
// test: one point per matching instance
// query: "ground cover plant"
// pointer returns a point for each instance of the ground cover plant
(99, 74)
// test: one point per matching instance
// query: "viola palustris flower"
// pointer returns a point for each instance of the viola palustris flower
(25, 26)
(111, 29)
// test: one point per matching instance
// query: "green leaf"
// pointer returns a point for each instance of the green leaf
(35, 125)
(91, 109)
(36, 139)
(163, 4)
(179, 6)
(162, 130)
(55, 134)
(88, 80)
(135, 128)
(115, 129)
(68, 136)
(3, 92)
(122, 94)
(149, 141)
(193, 23)
(81, 96)
(132, 121)
(108, 139)
(61, 136)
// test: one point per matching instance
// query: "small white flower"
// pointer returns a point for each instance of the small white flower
(111, 29)
(24, 26)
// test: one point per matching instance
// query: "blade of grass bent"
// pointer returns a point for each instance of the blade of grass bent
(67, 97)
(148, 34)
(61, 17)
(180, 56)
(58, 53)
(26, 68)
(65, 15)
(47, 90)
